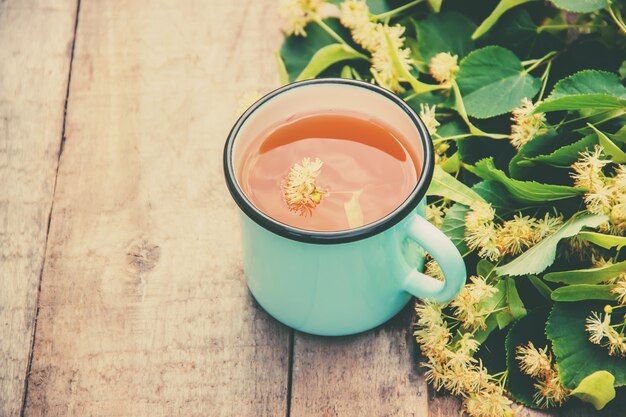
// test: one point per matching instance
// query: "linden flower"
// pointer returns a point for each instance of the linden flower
(383, 69)
(296, 14)
(598, 200)
(534, 362)
(467, 304)
(481, 232)
(526, 125)
(616, 343)
(597, 327)
(299, 189)
(550, 392)
(355, 16)
(547, 226)
(588, 169)
(435, 214)
(600, 329)
(620, 291)
(517, 234)
(487, 404)
(443, 67)
(617, 218)
(481, 213)
(433, 269)
(427, 114)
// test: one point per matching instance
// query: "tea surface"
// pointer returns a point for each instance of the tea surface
(366, 171)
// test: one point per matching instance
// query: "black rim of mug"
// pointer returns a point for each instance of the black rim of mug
(340, 236)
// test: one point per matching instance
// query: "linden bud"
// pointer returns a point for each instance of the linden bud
(608, 309)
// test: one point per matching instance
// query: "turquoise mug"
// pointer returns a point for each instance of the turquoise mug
(347, 281)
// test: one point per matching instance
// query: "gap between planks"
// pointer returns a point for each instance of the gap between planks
(54, 187)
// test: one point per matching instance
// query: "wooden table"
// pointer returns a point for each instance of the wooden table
(122, 291)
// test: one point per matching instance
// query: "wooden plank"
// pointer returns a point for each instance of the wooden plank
(371, 374)
(143, 307)
(35, 48)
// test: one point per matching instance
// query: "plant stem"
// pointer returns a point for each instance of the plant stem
(539, 61)
(418, 86)
(395, 11)
(445, 138)
(565, 26)
(617, 18)
(460, 107)
(330, 31)
(544, 80)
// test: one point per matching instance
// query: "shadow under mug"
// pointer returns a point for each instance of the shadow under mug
(347, 281)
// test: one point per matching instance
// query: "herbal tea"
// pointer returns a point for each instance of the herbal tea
(329, 171)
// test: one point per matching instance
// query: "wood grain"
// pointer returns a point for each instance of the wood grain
(371, 374)
(35, 47)
(143, 307)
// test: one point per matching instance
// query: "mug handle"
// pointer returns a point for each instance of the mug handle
(441, 248)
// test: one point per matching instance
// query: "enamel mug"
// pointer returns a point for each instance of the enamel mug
(345, 281)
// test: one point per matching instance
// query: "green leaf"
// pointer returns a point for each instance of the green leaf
(606, 241)
(617, 155)
(576, 356)
(528, 192)
(493, 192)
(297, 51)
(444, 32)
(620, 135)
(435, 5)
(327, 56)
(491, 323)
(451, 164)
(566, 155)
(499, 302)
(445, 185)
(491, 20)
(583, 101)
(454, 226)
(515, 304)
(582, 292)
(541, 256)
(283, 76)
(485, 269)
(596, 389)
(528, 329)
(586, 89)
(587, 276)
(581, 6)
(492, 81)
(540, 286)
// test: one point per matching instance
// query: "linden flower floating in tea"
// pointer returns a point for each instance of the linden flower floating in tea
(299, 189)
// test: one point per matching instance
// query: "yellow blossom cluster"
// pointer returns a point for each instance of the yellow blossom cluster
(512, 237)
(526, 124)
(299, 189)
(452, 366)
(602, 332)
(605, 194)
(427, 114)
(537, 363)
(383, 41)
(435, 214)
(469, 305)
(296, 14)
(432, 269)
(444, 67)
